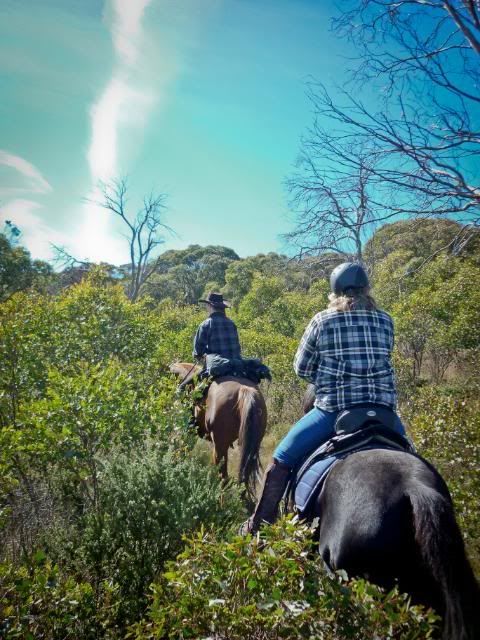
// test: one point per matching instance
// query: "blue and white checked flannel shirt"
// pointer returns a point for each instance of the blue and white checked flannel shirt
(346, 355)
(217, 334)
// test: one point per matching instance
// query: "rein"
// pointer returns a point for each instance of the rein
(189, 372)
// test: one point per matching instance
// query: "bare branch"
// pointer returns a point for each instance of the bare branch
(65, 260)
(144, 230)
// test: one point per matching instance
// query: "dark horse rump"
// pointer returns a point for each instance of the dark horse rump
(388, 516)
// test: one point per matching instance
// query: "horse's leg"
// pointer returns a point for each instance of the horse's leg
(220, 455)
(224, 465)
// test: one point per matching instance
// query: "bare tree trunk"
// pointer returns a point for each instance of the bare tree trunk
(143, 231)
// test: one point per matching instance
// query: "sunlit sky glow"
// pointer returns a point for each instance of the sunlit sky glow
(201, 99)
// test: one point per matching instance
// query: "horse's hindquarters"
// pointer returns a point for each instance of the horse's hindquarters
(235, 409)
(388, 516)
(367, 526)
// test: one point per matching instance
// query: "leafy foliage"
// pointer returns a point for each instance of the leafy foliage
(18, 271)
(445, 425)
(147, 501)
(439, 319)
(185, 275)
(421, 238)
(39, 601)
(274, 587)
(99, 470)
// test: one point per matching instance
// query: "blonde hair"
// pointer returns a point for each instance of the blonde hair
(355, 300)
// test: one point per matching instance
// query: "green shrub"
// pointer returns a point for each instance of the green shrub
(25, 349)
(39, 602)
(274, 588)
(95, 320)
(59, 443)
(445, 425)
(147, 500)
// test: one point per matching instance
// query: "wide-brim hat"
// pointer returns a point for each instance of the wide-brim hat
(216, 300)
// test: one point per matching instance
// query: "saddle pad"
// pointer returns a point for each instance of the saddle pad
(310, 481)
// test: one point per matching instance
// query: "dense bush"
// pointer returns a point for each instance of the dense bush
(445, 425)
(438, 319)
(147, 501)
(274, 588)
(39, 601)
(99, 470)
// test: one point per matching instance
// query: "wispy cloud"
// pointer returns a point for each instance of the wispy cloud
(36, 183)
(146, 64)
(27, 179)
(121, 101)
(126, 28)
(37, 235)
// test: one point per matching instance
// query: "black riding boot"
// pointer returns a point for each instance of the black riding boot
(274, 484)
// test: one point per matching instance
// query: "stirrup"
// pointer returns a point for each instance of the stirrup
(246, 528)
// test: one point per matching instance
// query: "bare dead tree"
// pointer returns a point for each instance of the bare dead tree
(143, 230)
(335, 194)
(424, 59)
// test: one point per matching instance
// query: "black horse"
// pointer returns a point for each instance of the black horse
(388, 516)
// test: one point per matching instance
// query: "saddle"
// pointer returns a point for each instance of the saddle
(251, 368)
(359, 428)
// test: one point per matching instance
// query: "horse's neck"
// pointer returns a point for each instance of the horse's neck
(184, 368)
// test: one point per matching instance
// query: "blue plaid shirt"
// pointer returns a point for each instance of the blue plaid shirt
(217, 334)
(346, 355)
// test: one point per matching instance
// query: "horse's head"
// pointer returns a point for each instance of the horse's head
(181, 369)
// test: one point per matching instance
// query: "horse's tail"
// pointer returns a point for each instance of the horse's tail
(442, 550)
(308, 399)
(252, 427)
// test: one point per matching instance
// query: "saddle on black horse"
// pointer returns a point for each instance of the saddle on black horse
(366, 426)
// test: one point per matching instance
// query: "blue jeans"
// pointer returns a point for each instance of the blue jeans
(315, 428)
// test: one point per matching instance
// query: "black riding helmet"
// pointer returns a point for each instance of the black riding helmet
(348, 275)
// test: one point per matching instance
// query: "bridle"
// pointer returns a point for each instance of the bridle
(188, 372)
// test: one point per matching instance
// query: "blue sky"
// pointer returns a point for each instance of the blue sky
(202, 99)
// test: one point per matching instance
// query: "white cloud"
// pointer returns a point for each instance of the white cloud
(102, 155)
(95, 240)
(126, 28)
(37, 236)
(36, 182)
(121, 102)
(144, 69)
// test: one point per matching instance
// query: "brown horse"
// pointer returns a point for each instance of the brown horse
(234, 409)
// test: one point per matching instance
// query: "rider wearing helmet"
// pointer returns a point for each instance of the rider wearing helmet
(345, 353)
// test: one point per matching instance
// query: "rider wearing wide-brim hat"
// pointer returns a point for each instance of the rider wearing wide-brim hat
(345, 352)
(217, 334)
